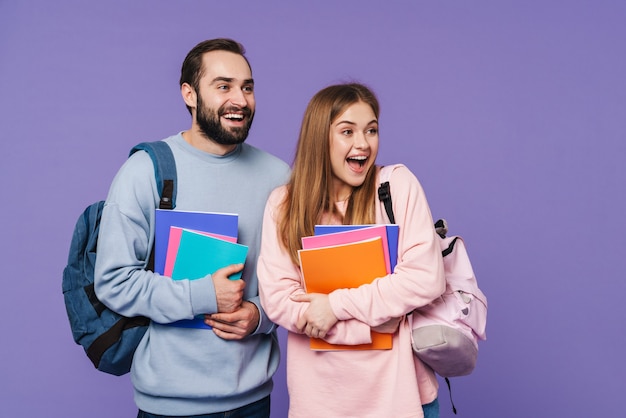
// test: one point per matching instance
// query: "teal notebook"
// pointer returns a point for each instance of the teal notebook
(199, 255)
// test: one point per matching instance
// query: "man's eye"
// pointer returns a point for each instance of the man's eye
(248, 89)
(222, 87)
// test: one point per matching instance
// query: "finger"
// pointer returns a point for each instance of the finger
(226, 335)
(221, 326)
(301, 324)
(311, 331)
(302, 297)
(226, 318)
(317, 333)
(230, 328)
(212, 322)
(231, 269)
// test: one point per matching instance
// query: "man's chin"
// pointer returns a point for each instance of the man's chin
(229, 140)
(236, 135)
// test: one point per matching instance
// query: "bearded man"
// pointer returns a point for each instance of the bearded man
(226, 368)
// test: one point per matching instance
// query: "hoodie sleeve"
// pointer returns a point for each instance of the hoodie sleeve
(418, 278)
(279, 278)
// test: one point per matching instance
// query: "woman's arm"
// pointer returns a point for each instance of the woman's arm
(280, 280)
(419, 275)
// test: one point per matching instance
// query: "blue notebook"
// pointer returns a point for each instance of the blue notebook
(392, 237)
(214, 222)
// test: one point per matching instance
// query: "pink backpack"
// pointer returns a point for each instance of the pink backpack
(446, 332)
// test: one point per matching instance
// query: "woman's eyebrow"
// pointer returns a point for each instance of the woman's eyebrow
(354, 123)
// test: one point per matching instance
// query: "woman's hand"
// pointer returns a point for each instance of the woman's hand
(319, 318)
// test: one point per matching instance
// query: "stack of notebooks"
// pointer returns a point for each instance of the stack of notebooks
(190, 245)
(347, 256)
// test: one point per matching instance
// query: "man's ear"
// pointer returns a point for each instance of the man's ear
(189, 95)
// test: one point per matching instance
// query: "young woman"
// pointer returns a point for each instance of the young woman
(334, 181)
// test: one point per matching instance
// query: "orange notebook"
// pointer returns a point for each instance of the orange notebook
(350, 265)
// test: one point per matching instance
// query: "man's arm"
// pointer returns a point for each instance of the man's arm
(121, 282)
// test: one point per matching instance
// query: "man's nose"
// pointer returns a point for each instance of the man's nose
(239, 98)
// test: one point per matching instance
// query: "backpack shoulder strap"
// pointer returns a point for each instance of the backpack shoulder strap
(384, 195)
(164, 170)
(165, 175)
(384, 191)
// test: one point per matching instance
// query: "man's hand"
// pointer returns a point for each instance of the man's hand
(229, 293)
(319, 318)
(235, 325)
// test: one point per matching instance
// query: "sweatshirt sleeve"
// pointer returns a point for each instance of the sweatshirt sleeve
(279, 278)
(124, 242)
(265, 326)
(418, 278)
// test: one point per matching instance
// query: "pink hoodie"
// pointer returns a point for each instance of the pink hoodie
(368, 383)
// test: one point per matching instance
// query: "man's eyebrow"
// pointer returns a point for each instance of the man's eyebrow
(230, 80)
(226, 79)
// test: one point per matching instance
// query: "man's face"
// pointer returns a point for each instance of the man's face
(225, 104)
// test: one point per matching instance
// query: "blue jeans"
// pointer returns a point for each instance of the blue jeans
(431, 410)
(258, 409)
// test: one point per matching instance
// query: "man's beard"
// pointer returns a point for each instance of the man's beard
(210, 125)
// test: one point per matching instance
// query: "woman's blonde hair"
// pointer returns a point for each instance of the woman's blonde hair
(309, 188)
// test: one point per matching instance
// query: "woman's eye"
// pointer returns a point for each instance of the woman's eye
(372, 131)
(346, 132)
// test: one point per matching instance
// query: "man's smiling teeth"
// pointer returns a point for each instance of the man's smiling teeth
(233, 116)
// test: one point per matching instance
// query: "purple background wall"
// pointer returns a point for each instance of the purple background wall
(512, 114)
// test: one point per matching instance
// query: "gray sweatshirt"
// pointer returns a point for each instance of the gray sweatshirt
(182, 371)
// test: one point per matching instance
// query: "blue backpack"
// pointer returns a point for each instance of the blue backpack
(109, 339)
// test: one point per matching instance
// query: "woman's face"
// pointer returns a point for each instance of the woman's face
(353, 148)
